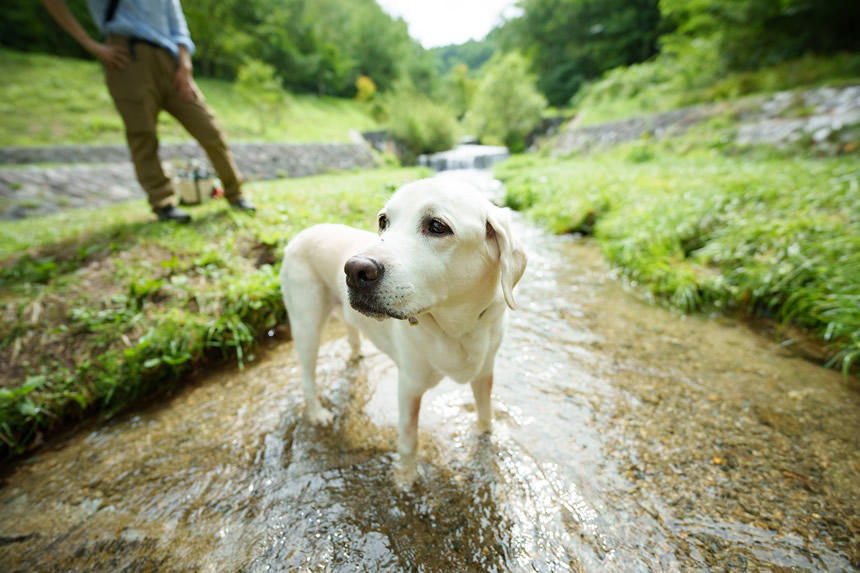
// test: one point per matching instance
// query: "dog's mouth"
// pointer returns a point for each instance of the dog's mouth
(371, 307)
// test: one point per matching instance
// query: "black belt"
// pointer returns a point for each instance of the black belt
(133, 41)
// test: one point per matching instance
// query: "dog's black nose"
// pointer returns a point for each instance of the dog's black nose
(362, 272)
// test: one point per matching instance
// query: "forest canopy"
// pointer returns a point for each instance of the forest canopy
(324, 46)
(318, 46)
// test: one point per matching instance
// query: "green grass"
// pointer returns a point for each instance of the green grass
(756, 232)
(48, 100)
(667, 83)
(99, 313)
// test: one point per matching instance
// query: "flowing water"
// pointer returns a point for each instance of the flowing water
(627, 438)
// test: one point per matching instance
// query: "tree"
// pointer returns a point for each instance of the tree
(755, 33)
(507, 106)
(459, 89)
(473, 54)
(317, 46)
(572, 41)
(419, 124)
(259, 83)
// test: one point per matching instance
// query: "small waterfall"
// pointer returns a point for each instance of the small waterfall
(465, 156)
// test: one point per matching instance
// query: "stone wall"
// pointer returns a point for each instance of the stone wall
(829, 115)
(77, 176)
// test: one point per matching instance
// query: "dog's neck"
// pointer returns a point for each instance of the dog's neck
(460, 320)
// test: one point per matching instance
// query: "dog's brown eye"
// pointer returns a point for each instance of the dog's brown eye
(383, 222)
(437, 227)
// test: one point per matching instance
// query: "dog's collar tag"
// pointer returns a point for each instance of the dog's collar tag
(413, 321)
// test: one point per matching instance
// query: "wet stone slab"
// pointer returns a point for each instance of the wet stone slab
(626, 438)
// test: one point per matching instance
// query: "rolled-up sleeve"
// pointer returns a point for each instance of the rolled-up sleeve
(178, 27)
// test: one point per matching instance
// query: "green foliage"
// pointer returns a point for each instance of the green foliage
(459, 89)
(259, 83)
(27, 25)
(472, 54)
(419, 124)
(573, 41)
(691, 76)
(318, 47)
(506, 106)
(778, 237)
(130, 306)
(754, 33)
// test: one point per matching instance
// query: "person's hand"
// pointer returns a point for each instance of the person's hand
(113, 56)
(185, 84)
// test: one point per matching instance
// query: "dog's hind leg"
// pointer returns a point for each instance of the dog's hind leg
(354, 341)
(482, 387)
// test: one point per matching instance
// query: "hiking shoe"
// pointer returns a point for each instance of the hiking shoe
(243, 205)
(172, 213)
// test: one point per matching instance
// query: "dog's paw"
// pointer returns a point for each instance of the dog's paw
(319, 416)
(405, 472)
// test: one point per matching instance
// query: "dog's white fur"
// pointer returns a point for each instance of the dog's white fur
(437, 307)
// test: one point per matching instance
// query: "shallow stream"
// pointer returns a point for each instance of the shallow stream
(627, 437)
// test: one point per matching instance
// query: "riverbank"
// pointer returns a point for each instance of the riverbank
(100, 312)
(704, 226)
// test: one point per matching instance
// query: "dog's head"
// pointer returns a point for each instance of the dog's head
(440, 243)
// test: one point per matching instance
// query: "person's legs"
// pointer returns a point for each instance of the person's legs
(136, 96)
(201, 123)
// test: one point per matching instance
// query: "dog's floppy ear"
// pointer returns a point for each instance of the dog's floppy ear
(512, 257)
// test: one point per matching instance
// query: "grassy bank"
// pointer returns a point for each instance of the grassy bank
(669, 82)
(98, 312)
(48, 100)
(763, 233)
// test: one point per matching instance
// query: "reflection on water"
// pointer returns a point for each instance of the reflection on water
(626, 438)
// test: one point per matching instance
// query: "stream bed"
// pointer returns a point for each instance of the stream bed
(627, 437)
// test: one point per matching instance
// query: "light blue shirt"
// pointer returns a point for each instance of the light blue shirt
(159, 21)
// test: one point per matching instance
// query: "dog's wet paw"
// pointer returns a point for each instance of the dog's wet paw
(405, 472)
(320, 416)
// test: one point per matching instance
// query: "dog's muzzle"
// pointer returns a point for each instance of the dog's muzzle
(363, 275)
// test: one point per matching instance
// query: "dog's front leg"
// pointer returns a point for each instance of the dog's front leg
(482, 387)
(409, 393)
(409, 404)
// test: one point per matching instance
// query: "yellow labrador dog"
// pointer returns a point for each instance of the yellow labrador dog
(429, 290)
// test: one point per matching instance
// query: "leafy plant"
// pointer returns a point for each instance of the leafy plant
(506, 106)
(418, 123)
(260, 84)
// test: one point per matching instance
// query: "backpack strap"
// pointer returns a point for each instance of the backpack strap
(111, 10)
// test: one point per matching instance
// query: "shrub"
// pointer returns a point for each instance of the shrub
(507, 106)
(419, 124)
(259, 83)
(364, 88)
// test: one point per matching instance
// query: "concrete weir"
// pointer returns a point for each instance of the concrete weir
(465, 156)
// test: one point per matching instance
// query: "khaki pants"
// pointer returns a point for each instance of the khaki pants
(140, 92)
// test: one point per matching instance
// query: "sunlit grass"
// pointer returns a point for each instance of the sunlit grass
(49, 100)
(101, 311)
